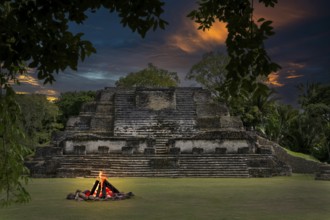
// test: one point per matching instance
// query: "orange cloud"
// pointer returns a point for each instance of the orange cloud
(297, 65)
(28, 80)
(22, 93)
(52, 98)
(292, 71)
(190, 39)
(273, 80)
(294, 76)
(284, 13)
(217, 33)
(37, 87)
(49, 93)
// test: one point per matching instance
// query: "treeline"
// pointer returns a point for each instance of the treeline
(304, 129)
(39, 118)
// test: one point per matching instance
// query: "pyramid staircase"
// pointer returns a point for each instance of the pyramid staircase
(161, 146)
(154, 166)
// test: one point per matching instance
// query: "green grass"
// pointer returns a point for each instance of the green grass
(297, 197)
(301, 155)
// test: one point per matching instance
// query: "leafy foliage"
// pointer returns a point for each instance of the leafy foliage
(245, 41)
(12, 152)
(38, 119)
(210, 72)
(36, 34)
(308, 130)
(253, 106)
(314, 121)
(69, 103)
(152, 76)
(279, 122)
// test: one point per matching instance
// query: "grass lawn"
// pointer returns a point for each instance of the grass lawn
(297, 197)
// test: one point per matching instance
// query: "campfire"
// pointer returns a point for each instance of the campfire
(101, 190)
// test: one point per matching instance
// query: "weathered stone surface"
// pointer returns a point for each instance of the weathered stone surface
(43, 168)
(230, 122)
(264, 150)
(48, 151)
(299, 165)
(127, 150)
(91, 146)
(220, 150)
(209, 145)
(155, 99)
(243, 150)
(79, 149)
(175, 150)
(163, 163)
(103, 150)
(149, 151)
(267, 166)
(156, 132)
(152, 114)
(323, 173)
(197, 150)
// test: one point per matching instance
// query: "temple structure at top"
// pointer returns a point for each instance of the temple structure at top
(155, 120)
(156, 132)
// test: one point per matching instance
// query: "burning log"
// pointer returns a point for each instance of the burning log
(102, 189)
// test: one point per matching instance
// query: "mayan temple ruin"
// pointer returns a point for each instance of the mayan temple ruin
(168, 132)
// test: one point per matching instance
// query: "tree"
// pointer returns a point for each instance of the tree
(252, 104)
(210, 72)
(151, 76)
(69, 103)
(314, 121)
(13, 173)
(35, 34)
(245, 41)
(279, 122)
(39, 119)
(254, 108)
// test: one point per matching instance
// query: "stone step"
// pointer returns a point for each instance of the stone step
(147, 165)
(160, 150)
(323, 177)
(188, 165)
(191, 173)
(125, 160)
(324, 173)
(143, 157)
(174, 175)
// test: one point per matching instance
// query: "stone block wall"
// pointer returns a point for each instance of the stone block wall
(299, 165)
(210, 146)
(92, 146)
(155, 112)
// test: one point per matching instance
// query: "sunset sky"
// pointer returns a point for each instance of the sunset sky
(300, 46)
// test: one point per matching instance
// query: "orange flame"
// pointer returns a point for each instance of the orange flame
(102, 177)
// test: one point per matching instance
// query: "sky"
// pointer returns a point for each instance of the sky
(300, 46)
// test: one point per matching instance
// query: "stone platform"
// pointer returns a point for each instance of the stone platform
(230, 165)
(172, 132)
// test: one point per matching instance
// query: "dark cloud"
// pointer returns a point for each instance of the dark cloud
(300, 46)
